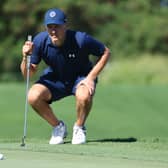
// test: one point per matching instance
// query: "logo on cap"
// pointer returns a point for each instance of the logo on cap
(52, 14)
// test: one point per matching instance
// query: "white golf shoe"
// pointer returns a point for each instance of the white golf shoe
(58, 134)
(79, 135)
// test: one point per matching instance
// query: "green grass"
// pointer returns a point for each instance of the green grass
(144, 69)
(109, 155)
(127, 127)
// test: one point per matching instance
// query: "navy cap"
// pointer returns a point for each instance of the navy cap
(54, 16)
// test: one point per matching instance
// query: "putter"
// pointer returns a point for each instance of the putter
(29, 38)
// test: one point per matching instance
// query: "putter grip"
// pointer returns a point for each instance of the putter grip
(29, 38)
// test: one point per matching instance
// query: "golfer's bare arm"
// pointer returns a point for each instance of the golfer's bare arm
(99, 65)
(26, 50)
(23, 67)
(89, 80)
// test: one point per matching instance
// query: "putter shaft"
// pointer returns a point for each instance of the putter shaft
(29, 38)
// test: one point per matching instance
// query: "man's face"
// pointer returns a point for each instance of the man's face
(57, 33)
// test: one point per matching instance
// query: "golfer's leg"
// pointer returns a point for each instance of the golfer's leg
(38, 98)
(83, 104)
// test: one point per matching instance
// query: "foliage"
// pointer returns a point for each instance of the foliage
(128, 28)
(137, 27)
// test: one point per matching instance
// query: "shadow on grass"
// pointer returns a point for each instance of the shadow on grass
(106, 140)
(131, 139)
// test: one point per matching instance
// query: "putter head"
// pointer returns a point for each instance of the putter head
(23, 142)
(23, 145)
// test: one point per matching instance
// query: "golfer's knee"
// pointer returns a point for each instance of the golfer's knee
(33, 97)
(83, 97)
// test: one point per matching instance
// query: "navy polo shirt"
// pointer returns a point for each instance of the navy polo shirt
(69, 61)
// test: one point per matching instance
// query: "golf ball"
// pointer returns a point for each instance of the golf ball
(1, 156)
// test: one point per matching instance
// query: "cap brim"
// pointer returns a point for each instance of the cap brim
(54, 22)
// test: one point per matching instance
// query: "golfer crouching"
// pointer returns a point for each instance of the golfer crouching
(69, 72)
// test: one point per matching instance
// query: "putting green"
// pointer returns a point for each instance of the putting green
(94, 155)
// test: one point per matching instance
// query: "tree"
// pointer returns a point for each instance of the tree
(127, 27)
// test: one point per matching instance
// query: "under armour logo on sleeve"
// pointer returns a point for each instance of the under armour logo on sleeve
(71, 56)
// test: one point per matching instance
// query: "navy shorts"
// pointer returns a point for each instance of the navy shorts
(59, 89)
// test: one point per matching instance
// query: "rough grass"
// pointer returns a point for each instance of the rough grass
(119, 111)
(144, 69)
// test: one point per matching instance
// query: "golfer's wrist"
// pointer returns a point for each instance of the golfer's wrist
(24, 59)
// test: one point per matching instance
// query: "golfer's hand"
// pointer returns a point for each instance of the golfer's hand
(89, 83)
(27, 48)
